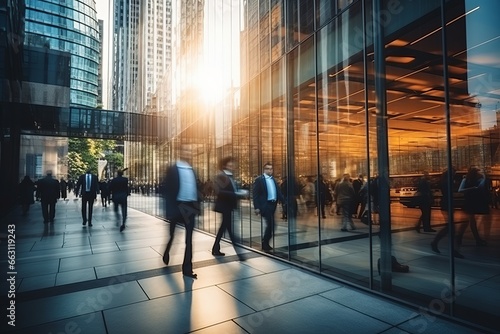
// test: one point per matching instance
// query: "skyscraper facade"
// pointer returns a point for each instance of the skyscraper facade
(142, 51)
(326, 90)
(396, 92)
(69, 27)
(125, 43)
(100, 66)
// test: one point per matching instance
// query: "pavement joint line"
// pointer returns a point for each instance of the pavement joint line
(124, 278)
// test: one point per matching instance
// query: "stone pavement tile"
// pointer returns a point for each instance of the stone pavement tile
(179, 313)
(276, 288)
(48, 309)
(312, 314)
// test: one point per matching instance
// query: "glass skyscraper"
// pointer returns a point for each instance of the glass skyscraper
(392, 92)
(327, 90)
(69, 26)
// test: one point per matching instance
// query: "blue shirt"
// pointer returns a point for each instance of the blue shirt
(188, 191)
(271, 188)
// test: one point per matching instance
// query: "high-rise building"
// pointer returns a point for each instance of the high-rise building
(155, 48)
(73, 29)
(125, 51)
(141, 51)
(321, 89)
(100, 68)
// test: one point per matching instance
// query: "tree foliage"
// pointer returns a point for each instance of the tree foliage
(76, 165)
(84, 154)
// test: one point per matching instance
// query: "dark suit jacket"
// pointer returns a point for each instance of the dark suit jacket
(48, 188)
(170, 192)
(227, 199)
(260, 193)
(26, 191)
(82, 183)
(118, 188)
(104, 188)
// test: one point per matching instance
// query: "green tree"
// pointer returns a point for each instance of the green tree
(84, 153)
(76, 166)
(115, 161)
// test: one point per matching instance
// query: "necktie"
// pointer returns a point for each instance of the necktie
(88, 182)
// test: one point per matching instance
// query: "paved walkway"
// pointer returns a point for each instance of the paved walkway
(74, 279)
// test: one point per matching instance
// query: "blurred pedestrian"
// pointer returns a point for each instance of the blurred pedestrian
(359, 203)
(446, 188)
(26, 193)
(182, 204)
(118, 188)
(476, 202)
(104, 190)
(64, 189)
(322, 192)
(49, 191)
(344, 192)
(425, 199)
(227, 195)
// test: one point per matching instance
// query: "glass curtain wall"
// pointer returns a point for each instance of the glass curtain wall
(302, 134)
(472, 39)
(315, 91)
(343, 147)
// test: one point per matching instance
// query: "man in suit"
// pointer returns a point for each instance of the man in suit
(88, 186)
(118, 188)
(104, 190)
(226, 201)
(49, 191)
(182, 204)
(266, 195)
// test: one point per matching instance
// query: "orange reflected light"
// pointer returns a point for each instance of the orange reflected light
(398, 42)
(400, 60)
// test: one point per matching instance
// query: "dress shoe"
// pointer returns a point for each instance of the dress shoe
(266, 247)
(458, 255)
(218, 253)
(84, 223)
(343, 229)
(122, 228)
(434, 248)
(429, 230)
(90, 224)
(324, 217)
(192, 275)
(166, 258)
(400, 268)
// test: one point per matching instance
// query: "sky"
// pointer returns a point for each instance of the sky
(102, 8)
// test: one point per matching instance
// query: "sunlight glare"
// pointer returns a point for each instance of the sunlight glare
(210, 87)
